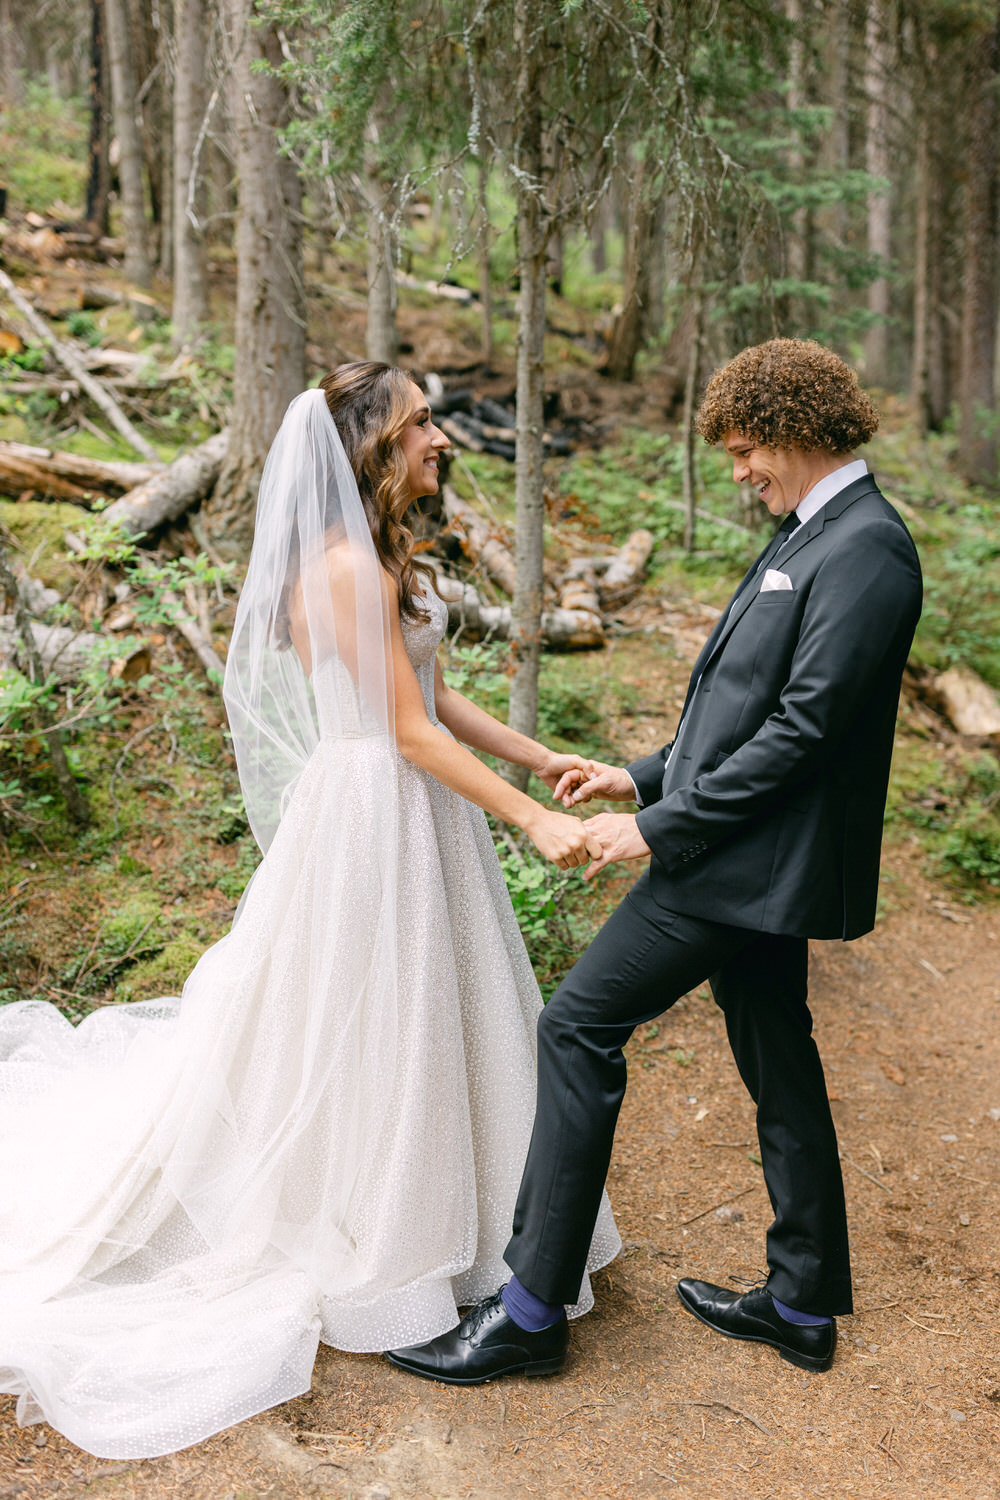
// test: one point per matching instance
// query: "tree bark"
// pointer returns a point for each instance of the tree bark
(190, 305)
(167, 495)
(270, 306)
(123, 96)
(690, 405)
(878, 164)
(381, 333)
(99, 173)
(483, 238)
(11, 56)
(919, 374)
(66, 476)
(798, 231)
(629, 331)
(532, 240)
(978, 436)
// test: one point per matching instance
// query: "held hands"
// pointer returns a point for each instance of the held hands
(564, 840)
(581, 780)
(619, 838)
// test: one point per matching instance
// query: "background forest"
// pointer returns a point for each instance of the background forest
(561, 214)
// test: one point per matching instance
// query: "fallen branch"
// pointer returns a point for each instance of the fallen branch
(745, 1415)
(479, 540)
(562, 629)
(76, 803)
(711, 1209)
(168, 494)
(578, 594)
(196, 638)
(70, 360)
(624, 574)
(844, 1157)
(66, 476)
(57, 651)
(437, 288)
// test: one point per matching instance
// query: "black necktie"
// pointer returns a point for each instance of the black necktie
(784, 531)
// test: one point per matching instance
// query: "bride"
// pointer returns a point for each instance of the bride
(322, 1137)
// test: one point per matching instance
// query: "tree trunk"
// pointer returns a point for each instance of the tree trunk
(270, 309)
(99, 174)
(878, 164)
(164, 139)
(532, 240)
(483, 238)
(919, 393)
(978, 437)
(628, 334)
(190, 305)
(11, 56)
(123, 97)
(381, 333)
(836, 147)
(690, 491)
(798, 230)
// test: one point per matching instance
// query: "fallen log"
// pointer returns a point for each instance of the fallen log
(64, 653)
(562, 629)
(479, 540)
(446, 289)
(167, 495)
(68, 358)
(67, 476)
(579, 596)
(624, 574)
(967, 701)
(196, 639)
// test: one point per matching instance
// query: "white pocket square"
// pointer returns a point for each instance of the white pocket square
(775, 580)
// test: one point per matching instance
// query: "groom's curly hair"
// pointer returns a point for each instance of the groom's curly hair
(788, 393)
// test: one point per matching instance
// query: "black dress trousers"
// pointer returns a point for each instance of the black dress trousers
(642, 960)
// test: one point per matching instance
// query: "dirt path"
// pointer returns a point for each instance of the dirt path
(652, 1403)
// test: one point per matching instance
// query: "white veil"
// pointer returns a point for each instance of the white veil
(313, 572)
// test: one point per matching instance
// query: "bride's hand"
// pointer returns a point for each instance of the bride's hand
(555, 768)
(592, 778)
(562, 839)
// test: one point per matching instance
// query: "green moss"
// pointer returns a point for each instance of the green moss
(163, 974)
(39, 529)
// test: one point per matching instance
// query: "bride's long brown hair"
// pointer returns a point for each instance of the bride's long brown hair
(371, 403)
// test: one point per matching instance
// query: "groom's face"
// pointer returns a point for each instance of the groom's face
(781, 476)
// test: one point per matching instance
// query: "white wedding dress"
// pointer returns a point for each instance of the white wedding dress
(321, 1139)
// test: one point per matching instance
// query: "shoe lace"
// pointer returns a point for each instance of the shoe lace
(478, 1315)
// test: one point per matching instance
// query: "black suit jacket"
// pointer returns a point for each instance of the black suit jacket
(766, 812)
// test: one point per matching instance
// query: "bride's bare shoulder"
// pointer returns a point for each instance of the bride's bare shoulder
(353, 568)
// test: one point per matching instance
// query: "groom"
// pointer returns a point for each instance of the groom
(763, 821)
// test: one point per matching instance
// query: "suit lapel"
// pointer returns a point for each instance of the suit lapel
(750, 587)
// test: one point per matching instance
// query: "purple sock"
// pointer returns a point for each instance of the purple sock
(792, 1315)
(528, 1311)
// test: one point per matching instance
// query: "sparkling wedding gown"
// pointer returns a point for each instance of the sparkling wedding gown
(321, 1139)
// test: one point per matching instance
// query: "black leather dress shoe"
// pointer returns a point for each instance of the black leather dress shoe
(753, 1316)
(486, 1343)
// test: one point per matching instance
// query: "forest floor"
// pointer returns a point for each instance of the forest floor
(652, 1403)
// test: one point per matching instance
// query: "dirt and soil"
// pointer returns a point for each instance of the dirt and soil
(651, 1403)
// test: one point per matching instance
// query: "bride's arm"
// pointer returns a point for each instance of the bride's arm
(556, 835)
(474, 726)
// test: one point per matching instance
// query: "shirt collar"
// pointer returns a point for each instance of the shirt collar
(830, 485)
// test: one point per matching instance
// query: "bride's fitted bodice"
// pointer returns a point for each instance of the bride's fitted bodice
(421, 639)
(340, 707)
